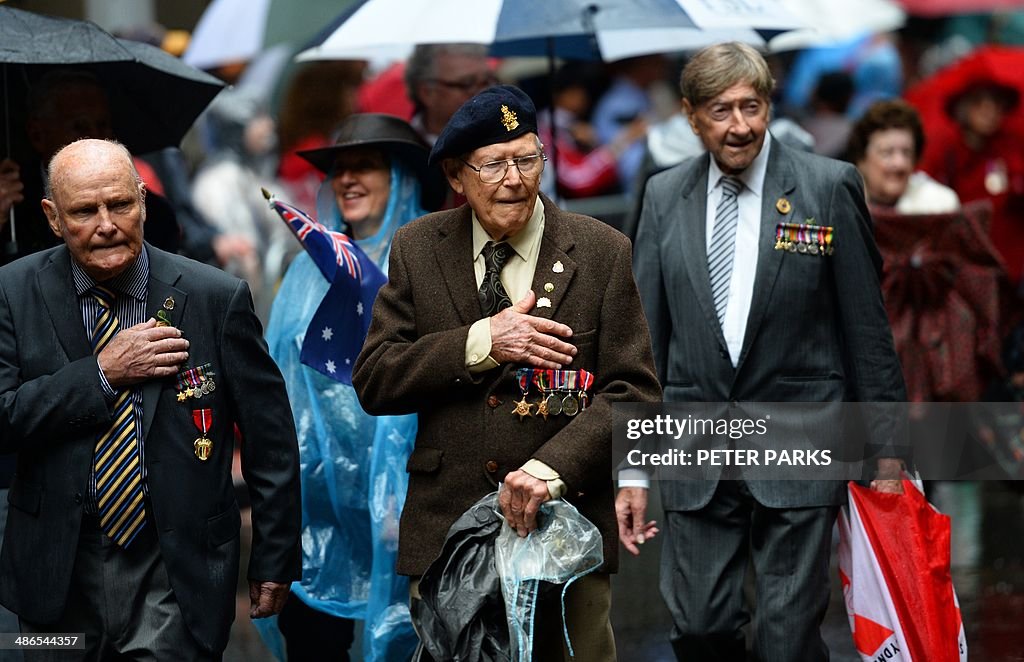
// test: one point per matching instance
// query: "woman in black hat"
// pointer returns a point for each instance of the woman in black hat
(352, 464)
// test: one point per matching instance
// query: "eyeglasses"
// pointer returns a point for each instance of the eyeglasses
(466, 85)
(494, 172)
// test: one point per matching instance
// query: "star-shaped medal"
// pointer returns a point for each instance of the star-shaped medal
(523, 409)
(542, 408)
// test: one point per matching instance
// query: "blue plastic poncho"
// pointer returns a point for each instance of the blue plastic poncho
(352, 465)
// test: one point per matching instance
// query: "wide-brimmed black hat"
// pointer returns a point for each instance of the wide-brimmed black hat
(390, 133)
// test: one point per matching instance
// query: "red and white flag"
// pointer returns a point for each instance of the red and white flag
(894, 553)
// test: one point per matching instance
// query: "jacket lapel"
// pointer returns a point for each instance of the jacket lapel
(691, 226)
(554, 266)
(778, 183)
(162, 295)
(454, 258)
(58, 291)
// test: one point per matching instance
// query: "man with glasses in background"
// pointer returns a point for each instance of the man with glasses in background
(441, 77)
(510, 327)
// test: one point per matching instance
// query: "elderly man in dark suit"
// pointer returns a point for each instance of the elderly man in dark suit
(448, 343)
(123, 523)
(734, 318)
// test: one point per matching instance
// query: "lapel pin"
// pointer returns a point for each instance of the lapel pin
(549, 287)
(169, 303)
(557, 267)
(783, 206)
(543, 302)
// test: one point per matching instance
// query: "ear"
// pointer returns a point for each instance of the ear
(451, 173)
(690, 111)
(52, 217)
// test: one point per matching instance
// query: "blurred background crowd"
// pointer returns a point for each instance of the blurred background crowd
(923, 96)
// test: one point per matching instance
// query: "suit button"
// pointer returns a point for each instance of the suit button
(734, 404)
(458, 380)
(724, 354)
(491, 466)
(78, 499)
(493, 401)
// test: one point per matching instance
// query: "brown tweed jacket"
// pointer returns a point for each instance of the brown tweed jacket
(468, 438)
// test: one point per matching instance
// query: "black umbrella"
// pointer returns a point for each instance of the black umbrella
(154, 96)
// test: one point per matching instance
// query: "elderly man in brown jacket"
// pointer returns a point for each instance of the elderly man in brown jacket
(510, 327)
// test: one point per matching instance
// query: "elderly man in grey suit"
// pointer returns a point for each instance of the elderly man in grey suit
(492, 313)
(733, 318)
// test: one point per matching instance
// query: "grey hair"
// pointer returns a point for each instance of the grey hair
(716, 68)
(422, 64)
(51, 168)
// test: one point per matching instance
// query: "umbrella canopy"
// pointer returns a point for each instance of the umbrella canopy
(943, 283)
(534, 27)
(154, 97)
(238, 30)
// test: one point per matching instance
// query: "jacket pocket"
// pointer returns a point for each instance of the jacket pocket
(424, 460)
(25, 496)
(224, 526)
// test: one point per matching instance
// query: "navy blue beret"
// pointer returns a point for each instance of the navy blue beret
(496, 115)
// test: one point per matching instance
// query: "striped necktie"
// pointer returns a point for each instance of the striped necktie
(723, 244)
(116, 457)
(493, 297)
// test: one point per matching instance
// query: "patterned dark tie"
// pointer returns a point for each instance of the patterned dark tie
(116, 456)
(493, 297)
(723, 244)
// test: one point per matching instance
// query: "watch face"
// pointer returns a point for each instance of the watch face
(554, 404)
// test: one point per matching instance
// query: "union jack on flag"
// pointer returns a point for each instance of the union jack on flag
(323, 245)
(338, 328)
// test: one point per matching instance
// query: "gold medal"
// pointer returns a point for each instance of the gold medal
(542, 408)
(783, 206)
(203, 447)
(523, 408)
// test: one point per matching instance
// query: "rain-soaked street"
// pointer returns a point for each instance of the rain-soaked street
(988, 572)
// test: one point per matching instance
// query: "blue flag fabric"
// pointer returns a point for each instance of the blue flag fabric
(339, 325)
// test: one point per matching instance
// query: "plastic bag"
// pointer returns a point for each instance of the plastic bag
(563, 548)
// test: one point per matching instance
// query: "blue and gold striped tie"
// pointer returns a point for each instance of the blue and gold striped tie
(116, 457)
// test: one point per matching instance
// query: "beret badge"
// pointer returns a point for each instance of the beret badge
(509, 119)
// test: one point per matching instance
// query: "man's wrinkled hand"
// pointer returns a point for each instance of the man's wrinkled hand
(520, 499)
(630, 511)
(517, 337)
(266, 598)
(11, 188)
(889, 477)
(144, 351)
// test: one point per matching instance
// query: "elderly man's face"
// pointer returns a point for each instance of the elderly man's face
(505, 207)
(458, 79)
(97, 207)
(732, 126)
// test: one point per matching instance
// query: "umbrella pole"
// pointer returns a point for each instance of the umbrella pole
(551, 111)
(12, 247)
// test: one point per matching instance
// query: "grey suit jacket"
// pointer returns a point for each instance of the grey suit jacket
(52, 407)
(817, 329)
(414, 360)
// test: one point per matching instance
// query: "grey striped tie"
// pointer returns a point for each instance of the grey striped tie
(723, 244)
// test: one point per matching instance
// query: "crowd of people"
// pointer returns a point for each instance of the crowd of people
(133, 357)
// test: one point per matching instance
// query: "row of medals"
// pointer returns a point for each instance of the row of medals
(803, 247)
(205, 387)
(553, 404)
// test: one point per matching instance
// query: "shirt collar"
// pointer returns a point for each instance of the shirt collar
(522, 242)
(752, 177)
(133, 281)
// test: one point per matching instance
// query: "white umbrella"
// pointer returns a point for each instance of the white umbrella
(534, 26)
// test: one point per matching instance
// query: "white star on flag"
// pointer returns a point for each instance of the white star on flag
(359, 308)
(348, 361)
(331, 368)
(327, 333)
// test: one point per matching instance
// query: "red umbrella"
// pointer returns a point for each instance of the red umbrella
(942, 284)
(1003, 65)
(948, 7)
